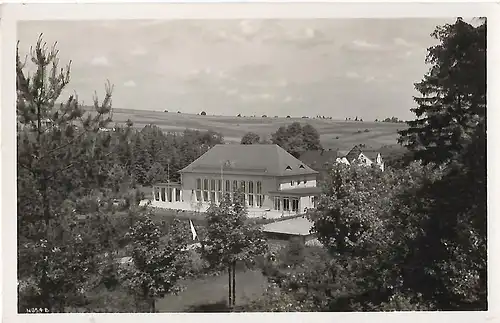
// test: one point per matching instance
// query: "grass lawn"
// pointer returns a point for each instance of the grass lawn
(210, 294)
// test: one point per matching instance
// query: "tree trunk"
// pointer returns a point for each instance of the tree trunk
(234, 283)
(229, 286)
(153, 305)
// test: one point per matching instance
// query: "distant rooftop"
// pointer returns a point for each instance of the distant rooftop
(318, 159)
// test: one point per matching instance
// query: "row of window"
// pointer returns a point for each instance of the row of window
(213, 185)
(213, 190)
(165, 194)
(284, 203)
(292, 183)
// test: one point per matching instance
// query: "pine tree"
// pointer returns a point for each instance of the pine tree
(141, 160)
(61, 158)
(453, 94)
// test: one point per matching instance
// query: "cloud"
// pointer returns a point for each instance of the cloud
(207, 75)
(257, 97)
(310, 32)
(249, 27)
(230, 91)
(369, 79)
(352, 75)
(100, 61)
(403, 42)
(364, 45)
(129, 83)
(266, 96)
(282, 83)
(138, 51)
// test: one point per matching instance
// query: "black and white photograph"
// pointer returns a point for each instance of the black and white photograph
(251, 165)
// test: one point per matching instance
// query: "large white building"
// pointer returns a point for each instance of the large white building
(274, 182)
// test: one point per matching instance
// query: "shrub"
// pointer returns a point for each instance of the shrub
(203, 113)
(367, 130)
(295, 252)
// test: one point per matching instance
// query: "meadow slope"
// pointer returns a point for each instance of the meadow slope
(334, 133)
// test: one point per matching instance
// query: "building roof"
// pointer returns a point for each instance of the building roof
(356, 150)
(353, 153)
(296, 226)
(301, 191)
(270, 160)
(372, 154)
(317, 159)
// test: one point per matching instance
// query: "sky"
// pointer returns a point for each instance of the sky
(332, 67)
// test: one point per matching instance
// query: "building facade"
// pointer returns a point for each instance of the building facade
(272, 181)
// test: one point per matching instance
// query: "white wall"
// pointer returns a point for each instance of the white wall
(306, 202)
(285, 183)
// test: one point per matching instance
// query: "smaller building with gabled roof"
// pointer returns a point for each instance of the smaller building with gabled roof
(361, 156)
(272, 180)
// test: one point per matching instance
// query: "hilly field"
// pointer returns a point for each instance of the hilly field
(334, 133)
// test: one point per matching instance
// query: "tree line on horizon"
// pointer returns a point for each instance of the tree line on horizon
(410, 238)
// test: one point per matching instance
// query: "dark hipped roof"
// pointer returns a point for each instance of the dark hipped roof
(318, 158)
(270, 160)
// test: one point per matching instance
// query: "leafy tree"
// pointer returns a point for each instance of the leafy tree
(158, 264)
(353, 220)
(250, 138)
(448, 235)
(453, 93)
(229, 239)
(311, 137)
(417, 234)
(62, 157)
(297, 139)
